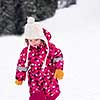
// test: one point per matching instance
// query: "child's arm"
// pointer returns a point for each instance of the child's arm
(58, 62)
(21, 69)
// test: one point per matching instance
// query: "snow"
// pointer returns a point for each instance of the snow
(75, 30)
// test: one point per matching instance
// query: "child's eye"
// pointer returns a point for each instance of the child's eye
(36, 39)
(30, 40)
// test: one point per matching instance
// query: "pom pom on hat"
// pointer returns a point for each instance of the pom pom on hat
(30, 20)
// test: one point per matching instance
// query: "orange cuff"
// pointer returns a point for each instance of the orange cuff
(59, 74)
(18, 82)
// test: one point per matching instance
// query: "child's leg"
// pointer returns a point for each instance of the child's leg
(52, 97)
(37, 96)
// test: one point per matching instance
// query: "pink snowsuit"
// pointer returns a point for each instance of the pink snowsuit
(41, 80)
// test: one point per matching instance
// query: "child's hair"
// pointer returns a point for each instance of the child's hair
(42, 41)
(27, 42)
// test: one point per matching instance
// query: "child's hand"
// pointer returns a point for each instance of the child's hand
(18, 82)
(59, 74)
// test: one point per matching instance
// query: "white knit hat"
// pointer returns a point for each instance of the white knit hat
(33, 30)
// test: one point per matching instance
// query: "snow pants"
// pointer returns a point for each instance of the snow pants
(42, 96)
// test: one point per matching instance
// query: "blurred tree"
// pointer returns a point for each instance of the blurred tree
(65, 3)
(13, 13)
(40, 9)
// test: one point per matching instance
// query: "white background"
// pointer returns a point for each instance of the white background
(76, 31)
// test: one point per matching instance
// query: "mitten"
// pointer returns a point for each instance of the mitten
(18, 82)
(59, 74)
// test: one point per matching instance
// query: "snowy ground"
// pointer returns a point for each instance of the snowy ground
(76, 30)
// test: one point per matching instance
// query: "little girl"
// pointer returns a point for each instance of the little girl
(43, 62)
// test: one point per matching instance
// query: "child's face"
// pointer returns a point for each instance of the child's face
(34, 42)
